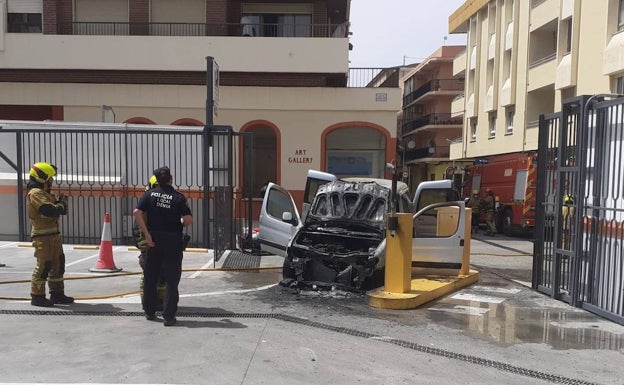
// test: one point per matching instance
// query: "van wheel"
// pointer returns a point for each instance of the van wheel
(288, 272)
(375, 280)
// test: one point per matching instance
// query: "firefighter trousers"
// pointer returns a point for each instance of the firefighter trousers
(50, 265)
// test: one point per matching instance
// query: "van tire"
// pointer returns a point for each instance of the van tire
(288, 272)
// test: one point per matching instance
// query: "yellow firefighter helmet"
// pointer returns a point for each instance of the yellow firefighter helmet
(152, 182)
(41, 172)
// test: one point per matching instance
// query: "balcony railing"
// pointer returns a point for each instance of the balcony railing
(545, 59)
(202, 29)
(439, 152)
(429, 120)
(433, 86)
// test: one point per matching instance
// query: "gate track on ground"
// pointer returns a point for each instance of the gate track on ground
(554, 378)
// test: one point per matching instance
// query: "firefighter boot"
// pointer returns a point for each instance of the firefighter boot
(60, 297)
(40, 300)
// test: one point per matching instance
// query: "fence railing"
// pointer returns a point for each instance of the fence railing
(205, 29)
(105, 168)
(362, 77)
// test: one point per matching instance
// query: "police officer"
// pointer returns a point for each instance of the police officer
(474, 203)
(141, 244)
(44, 210)
(488, 205)
(167, 214)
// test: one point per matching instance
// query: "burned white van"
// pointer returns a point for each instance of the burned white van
(341, 241)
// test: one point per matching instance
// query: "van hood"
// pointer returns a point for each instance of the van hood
(350, 204)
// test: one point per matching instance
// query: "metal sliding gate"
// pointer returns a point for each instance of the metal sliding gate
(579, 247)
(105, 168)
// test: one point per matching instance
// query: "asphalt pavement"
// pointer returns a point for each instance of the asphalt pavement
(238, 326)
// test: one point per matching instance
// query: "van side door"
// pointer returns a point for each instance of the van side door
(444, 248)
(279, 220)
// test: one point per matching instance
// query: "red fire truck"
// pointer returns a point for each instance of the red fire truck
(512, 179)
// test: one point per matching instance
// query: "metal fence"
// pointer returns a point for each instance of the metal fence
(579, 256)
(207, 29)
(105, 168)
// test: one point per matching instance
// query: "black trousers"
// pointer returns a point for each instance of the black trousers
(165, 257)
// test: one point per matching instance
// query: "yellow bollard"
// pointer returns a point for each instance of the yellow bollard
(398, 276)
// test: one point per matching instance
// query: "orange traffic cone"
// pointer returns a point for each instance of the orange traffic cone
(105, 263)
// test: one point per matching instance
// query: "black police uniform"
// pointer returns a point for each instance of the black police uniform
(164, 207)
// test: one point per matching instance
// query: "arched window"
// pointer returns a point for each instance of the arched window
(264, 163)
(356, 151)
(139, 120)
(187, 122)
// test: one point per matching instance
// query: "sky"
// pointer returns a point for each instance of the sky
(388, 33)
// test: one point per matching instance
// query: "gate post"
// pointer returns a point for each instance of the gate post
(206, 145)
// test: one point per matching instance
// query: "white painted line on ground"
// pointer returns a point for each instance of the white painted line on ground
(136, 298)
(468, 310)
(229, 291)
(207, 265)
(90, 257)
(478, 298)
(493, 289)
(523, 283)
(9, 244)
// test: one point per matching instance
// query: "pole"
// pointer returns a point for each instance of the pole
(209, 90)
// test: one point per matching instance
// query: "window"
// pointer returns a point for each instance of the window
(24, 22)
(276, 25)
(278, 203)
(492, 124)
(356, 151)
(619, 85)
(567, 25)
(510, 114)
(473, 129)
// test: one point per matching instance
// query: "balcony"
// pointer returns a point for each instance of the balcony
(459, 64)
(542, 72)
(202, 29)
(435, 120)
(172, 53)
(420, 155)
(543, 12)
(458, 106)
(438, 86)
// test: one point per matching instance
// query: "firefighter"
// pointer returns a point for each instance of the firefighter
(44, 210)
(474, 203)
(141, 244)
(567, 212)
(488, 206)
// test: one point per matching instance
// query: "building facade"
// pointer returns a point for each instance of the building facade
(523, 58)
(427, 126)
(283, 75)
